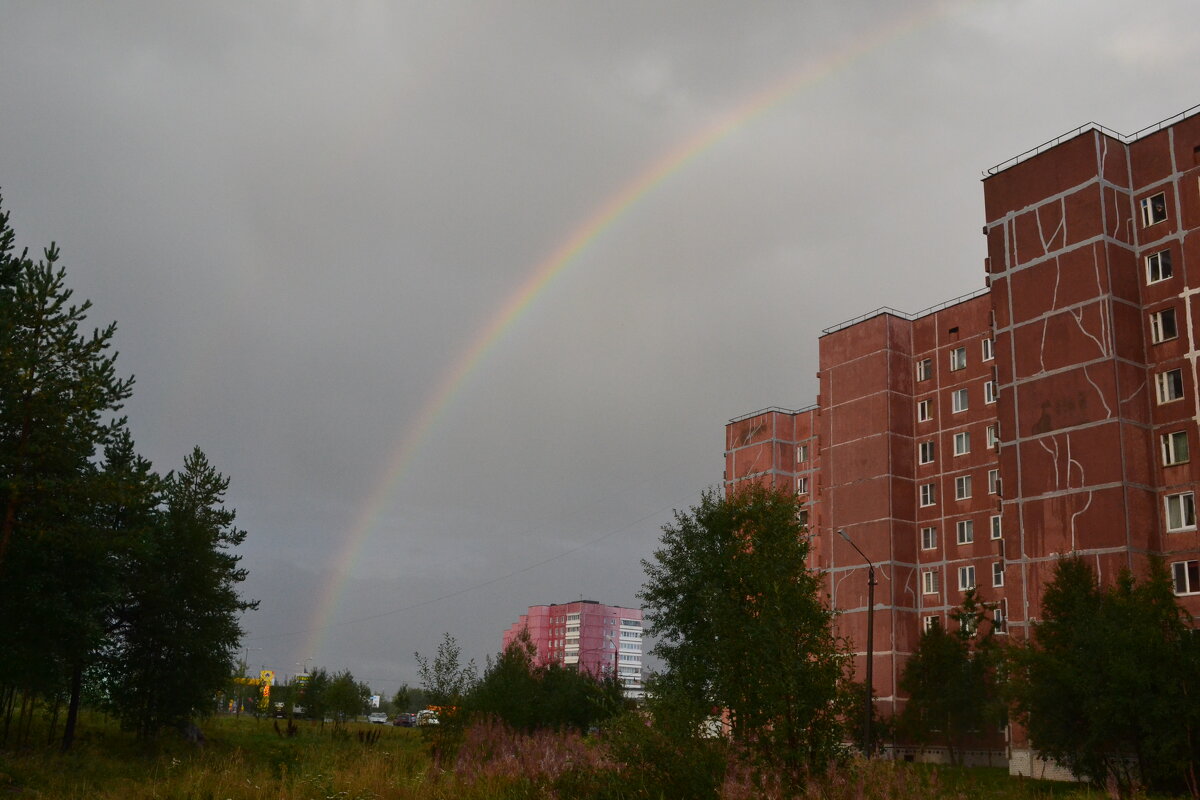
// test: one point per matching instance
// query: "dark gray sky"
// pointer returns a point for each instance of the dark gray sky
(302, 215)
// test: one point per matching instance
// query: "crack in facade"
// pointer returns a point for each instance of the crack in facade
(1063, 359)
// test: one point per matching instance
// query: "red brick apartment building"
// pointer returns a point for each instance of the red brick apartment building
(1054, 411)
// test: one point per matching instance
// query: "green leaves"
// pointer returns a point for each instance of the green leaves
(1109, 683)
(741, 625)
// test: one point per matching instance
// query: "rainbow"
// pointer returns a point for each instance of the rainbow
(550, 268)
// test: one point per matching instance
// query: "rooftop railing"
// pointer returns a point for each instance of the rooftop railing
(903, 314)
(772, 409)
(1090, 126)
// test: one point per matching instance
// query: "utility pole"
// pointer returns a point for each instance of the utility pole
(868, 747)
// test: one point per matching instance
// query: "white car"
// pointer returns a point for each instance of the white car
(377, 717)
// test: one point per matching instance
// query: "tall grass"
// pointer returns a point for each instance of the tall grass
(245, 759)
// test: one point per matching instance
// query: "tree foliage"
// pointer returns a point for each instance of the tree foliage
(178, 624)
(445, 680)
(951, 682)
(1108, 685)
(741, 625)
(100, 558)
(529, 697)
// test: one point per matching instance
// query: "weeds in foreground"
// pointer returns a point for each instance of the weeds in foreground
(245, 760)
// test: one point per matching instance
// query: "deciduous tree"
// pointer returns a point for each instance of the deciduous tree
(741, 625)
(1109, 683)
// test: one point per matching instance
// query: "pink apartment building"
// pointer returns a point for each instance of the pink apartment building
(599, 639)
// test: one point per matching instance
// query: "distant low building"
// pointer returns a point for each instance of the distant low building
(602, 640)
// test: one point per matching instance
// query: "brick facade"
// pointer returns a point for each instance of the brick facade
(1054, 411)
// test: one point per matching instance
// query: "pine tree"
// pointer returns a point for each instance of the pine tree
(179, 626)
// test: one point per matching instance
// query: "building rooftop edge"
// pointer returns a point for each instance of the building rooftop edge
(905, 315)
(774, 409)
(1086, 128)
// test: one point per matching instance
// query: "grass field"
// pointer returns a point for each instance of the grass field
(245, 759)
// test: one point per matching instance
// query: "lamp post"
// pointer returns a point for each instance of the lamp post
(867, 743)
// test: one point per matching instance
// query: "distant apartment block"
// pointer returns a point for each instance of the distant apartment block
(1053, 411)
(599, 639)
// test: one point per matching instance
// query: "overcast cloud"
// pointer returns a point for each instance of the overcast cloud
(301, 215)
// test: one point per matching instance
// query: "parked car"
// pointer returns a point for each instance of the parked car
(377, 718)
(405, 720)
(427, 717)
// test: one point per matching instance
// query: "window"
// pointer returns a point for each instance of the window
(958, 400)
(802, 517)
(923, 411)
(925, 452)
(996, 532)
(966, 578)
(925, 369)
(993, 437)
(1162, 326)
(1000, 615)
(962, 487)
(966, 531)
(931, 623)
(962, 443)
(929, 581)
(989, 392)
(1154, 209)
(997, 573)
(1158, 266)
(928, 538)
(989, 350)
(802, 453)
(1181, 511)
(928, 494)
(1187, 576)
(958, 358)
(1174, 448)
(1170, 385)
(802, 485)
(993, 481)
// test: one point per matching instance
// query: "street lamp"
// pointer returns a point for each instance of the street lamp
(867, 748)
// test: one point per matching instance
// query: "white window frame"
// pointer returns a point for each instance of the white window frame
(959, 401)
(923, 414)
(989, 349)
(1169, 385)
(1182, 575)
(997, 573)
(989, 392)
(993, 481)
(962, 487)
(966, 578)
(1160, 329)
(1154, 212)
(929, 581)
(997, 529)
(924, 369)
(928, 495)
(929, 538)
(1180, 511)
(993, 436)
(802, 453)
(926, 452)
(1158, 267)
(965, 529)
(962, 443)
(930, 622)
(1175, 448)
(802, 485)
(958, 359)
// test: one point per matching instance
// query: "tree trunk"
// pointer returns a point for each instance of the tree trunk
(73, 708)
